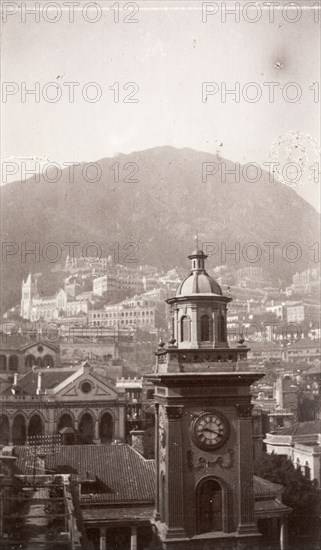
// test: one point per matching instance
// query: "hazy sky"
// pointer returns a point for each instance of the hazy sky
(168, 53)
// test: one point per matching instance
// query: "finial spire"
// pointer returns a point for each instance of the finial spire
(196, 240)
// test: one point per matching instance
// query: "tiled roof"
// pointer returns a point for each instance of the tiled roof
(21, 342)
(14, 341)
(301, 428)
(266, 508)
(128, 476)
(122, 514)
(50, 379)
(265, 488)
(316, 369)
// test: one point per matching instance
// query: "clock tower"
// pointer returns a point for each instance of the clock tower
(203, 441)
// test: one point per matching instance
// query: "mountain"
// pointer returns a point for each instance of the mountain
(159, 208)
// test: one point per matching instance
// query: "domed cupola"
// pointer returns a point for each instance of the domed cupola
(198, 282)
(198, 309)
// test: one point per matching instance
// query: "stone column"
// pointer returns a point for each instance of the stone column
(120, 424)
(133, 537)
(102, 539)
(156, 512)
(96, 431)
(284, 533)
(51, 420)
(174, 500)
(10, 419)
(213, 328)
(246, 519)
(194, 340)
(177, 335)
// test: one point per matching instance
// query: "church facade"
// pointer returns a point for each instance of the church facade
(77, 403)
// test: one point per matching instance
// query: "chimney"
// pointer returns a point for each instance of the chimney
(137, 440)
(15, 379)
(39, 383)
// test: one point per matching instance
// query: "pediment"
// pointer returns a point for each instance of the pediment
(87, 387)
(33, 347)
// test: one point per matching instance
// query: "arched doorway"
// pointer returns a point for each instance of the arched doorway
(118, 538)
(4, 430)
(19, 430)
(13, 363)
(86, 428)
(30, 361)
(35, 426)
(48, 361)
(209, 506)
(65, 421)
(106, 428)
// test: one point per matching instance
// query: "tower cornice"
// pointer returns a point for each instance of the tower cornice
(241, 378)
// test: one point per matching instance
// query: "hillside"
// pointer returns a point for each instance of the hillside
(161, 212)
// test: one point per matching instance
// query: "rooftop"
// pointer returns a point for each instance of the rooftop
(312, 427)
(126, 475)
(50, 379)
(199, 281)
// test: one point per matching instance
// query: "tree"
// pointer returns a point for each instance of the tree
(300, 493)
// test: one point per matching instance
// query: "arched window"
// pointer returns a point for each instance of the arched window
(65, 421)
(307, 471)
(209, 506)
(3, 363)
(48, 361)
(106, 428)
(35, 427)
(19, 430)
(30, 361)
(13, 363)
(221, 329)
(185, 336)
(298, 465)
(205, 328)
(4, 430)
(86, 428)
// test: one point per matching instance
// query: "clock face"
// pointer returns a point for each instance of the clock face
(210, 430)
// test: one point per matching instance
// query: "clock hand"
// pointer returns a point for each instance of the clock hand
(211, 431)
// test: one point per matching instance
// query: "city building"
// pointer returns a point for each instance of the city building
(305, 283)
(136, 313)
(286, 395)
(19, 353)
(301, 443)
(250, 276)
(277, 308)
(45, 401)
(35, 307)
(303, 311)
(204, 442)
(200, 489)
(106, 283)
